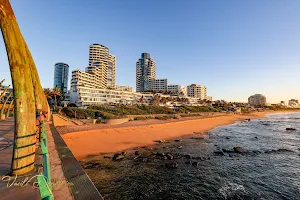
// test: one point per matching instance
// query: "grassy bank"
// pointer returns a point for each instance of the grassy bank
(117, 112)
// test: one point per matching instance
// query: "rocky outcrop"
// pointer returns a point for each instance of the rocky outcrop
(171, 165)
(119, 156)
(239, 150)
(290, 129)
(219, 152)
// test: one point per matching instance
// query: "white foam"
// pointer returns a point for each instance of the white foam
(229, 188)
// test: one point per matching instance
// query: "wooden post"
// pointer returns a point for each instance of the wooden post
(2, 82)
(24, 106)
(9, 108)
(40, 97)
(3, 107)
(3, 93)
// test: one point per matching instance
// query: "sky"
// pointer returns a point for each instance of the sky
(235, 48)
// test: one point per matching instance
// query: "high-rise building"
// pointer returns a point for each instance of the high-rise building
(145, 73)
(111, 71)
(61, 73)
(197, 91)
(257, 100)
(159, 84)
(100, 53)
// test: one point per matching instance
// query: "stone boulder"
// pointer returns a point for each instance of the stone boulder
(172, 165)
(119, 156)
(239, 150)
(290, 129)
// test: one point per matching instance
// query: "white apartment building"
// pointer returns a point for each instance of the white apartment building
(145, 72)
(294, 103)
(159, 84)
(93, 77)
(123, 88)
(197, 91)
(178, 89)
(100, 53)
(257, 100)
(84, 96)
(174, 88)
(209, 98)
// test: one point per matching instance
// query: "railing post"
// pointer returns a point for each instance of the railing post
(45, 181)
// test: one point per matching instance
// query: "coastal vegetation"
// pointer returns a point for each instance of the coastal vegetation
(144, 112)
(121, 111)
(53, 94)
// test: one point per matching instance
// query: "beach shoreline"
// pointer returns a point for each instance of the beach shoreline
(94, 142)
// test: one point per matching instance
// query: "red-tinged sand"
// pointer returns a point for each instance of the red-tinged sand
(93, 142)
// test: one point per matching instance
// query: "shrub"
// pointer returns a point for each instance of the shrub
(165, 117)
(100, 121)
(79, 113)
(143, 118)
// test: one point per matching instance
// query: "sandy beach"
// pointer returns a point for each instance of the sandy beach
(93, 142)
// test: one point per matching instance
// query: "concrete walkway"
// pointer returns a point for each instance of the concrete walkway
(6, 139)
(7, 188)
(22, 191)
(58, 121)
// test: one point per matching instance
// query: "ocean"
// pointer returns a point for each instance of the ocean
(267, 166)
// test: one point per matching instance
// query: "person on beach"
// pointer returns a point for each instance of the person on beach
(41, 115)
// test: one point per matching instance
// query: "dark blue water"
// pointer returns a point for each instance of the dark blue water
(269, 168)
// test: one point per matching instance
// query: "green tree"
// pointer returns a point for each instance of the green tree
(55, 93)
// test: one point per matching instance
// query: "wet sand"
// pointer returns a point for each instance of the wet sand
(94, 142)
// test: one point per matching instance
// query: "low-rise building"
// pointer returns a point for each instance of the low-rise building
(123, 88)
(174, 88)
(209, 98)
(85, 96)
(197, 91)
(257, 100)
(294, 103)
(178, 89)
(95, 76)
(159, 84)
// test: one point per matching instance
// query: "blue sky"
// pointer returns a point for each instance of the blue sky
(235, 48)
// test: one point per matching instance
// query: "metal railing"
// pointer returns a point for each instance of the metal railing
(44, 178)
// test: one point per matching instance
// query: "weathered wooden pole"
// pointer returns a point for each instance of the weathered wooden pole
(24, 106)
(2, 82)
(41, 102)
(9, 108)
(4, 92)
(3, 107)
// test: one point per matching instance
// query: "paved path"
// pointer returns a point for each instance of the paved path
(10, 191)
(7, 189)
(6, 141)
(6, 126)
(58, 121)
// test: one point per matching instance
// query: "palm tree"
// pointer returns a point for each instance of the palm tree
(156, 99)
(47, 93)
(142, 100)
(56, 93)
